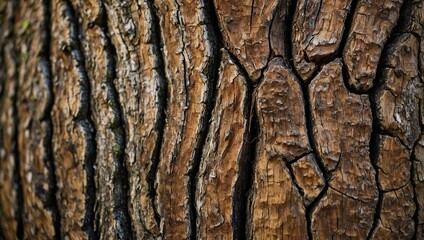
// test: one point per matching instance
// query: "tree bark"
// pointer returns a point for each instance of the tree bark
(198, 119)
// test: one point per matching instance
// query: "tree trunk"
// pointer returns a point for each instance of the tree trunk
(175, 119)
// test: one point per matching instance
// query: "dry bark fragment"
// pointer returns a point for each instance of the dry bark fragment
(246, 27)
(34, 130)
(73, 143)
(280, 101)
(393, 164)
(224, 154)
(317, 32)
(342, 130)
(277, 209)
(309, 177)
(419, 184)
(372, 24)
(399, 95)
(337, 114)
(140, 84)
(190, 65)
(397, 210)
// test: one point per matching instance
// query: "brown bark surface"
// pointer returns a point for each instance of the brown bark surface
(195, 119)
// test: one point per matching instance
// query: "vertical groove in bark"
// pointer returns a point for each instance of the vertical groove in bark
(163, 105)
(74, 144)
(141, 85)
(111, 177)
(223, 168)
(19, 204)
(47, 73)
(34, 102)
(396, 100)
(190, 64)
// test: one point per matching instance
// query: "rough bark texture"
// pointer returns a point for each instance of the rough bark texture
(195, 119)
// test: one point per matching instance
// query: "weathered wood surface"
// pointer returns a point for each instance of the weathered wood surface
(225, 157)
(194, 119)
(372, 24)
(342, 131)
(73, 135)
(317, 33)
(252, 31)
(34, 101)
(276, 208)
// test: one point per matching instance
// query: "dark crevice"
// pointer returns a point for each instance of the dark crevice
(288, 36)
(162, 106)
(83, 119)
(415, 217)
(294, 180)
(212, 72)
(311, 208)
(248, 152)
(374, 151)
(376, 126)
(45, 67)
(309, 126)
(120, 176)
(297, 158)
(246, 163)
(252, 9)
(327, 174)
(309, 123)
(347, 26)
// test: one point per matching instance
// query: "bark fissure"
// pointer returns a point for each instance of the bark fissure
(121, 180)
(83, 118)
(348, 25)
(163, 105)
(16, 173)
(415, 217)
(307, 106)
(19, 210)
(47, 71)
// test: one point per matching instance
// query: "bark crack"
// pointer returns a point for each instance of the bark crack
(84, 119)
(46, 70)
(19, 210)
(120, 179)
(163, 104)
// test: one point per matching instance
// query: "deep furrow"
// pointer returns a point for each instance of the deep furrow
(376, 126)
(415, 217)
(121, 182)
(307, 105)
(244, 182)
(163, 103)
(347, 26)
(16, 175)
(212, 70)
(46, 72)
(19, 210)
(326, 173)
(84, 119)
